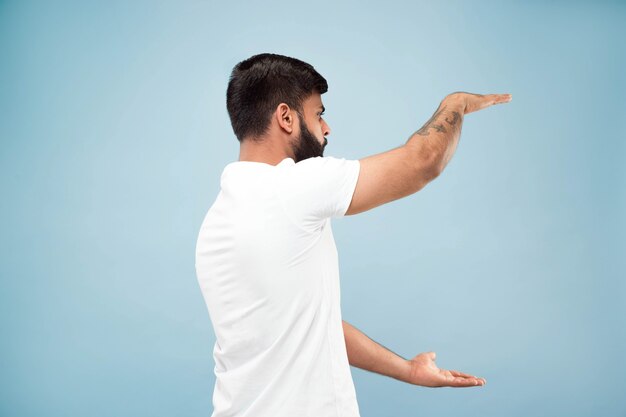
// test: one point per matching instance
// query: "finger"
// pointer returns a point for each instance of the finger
(460, 379)
(462, 382)
(489, 100)
(458, 373)
(467, 376)
(498, 98)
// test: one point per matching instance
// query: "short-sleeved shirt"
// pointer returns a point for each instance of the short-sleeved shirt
(267, 265)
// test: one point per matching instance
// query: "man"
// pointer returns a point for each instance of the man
(266, 260)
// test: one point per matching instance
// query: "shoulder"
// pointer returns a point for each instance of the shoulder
(324, 162)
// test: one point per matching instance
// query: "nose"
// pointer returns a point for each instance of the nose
(326, 129)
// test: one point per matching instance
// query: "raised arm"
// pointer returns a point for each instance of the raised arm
(404, 170)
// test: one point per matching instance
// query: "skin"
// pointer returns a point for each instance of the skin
(292, 136)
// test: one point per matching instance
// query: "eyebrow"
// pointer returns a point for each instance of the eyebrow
(323, 108)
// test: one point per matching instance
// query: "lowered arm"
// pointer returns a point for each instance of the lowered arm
(364, 353)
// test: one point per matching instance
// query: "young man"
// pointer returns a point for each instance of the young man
(266, 260)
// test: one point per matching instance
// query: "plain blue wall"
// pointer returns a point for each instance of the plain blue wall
(510, 265)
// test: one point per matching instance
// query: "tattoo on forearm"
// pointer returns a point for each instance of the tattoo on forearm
(455, 118)
(439, 127)
(424, 130)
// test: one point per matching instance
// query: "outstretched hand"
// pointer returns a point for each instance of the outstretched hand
(424, 372)
(474, 102)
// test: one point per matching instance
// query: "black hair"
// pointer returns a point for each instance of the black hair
(260, 83)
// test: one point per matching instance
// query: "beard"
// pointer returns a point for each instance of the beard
(306, 145)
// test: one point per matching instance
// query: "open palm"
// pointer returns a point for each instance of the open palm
(424, 372)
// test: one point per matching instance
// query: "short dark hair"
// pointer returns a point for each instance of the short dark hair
(260, 83)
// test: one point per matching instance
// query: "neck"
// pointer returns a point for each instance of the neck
(262, 152)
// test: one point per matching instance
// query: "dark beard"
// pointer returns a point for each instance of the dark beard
(307, 145)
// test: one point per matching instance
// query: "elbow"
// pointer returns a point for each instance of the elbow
(426, 162)
(423, 174)
(433, 168)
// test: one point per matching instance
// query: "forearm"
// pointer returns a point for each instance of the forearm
(364, 353)
(439, 137)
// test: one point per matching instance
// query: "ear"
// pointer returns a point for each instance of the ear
(285, 117)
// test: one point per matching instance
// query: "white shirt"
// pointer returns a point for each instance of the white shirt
(267, 265)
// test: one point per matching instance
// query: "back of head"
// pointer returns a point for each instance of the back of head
(260, 83)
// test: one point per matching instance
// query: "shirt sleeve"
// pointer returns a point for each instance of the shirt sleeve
(318, 188)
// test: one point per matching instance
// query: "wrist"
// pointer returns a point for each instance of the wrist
(455, 102)
(405, 371)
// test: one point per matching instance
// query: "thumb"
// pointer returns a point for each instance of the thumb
(432, 355)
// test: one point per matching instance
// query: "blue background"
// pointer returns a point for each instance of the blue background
(510, 265)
